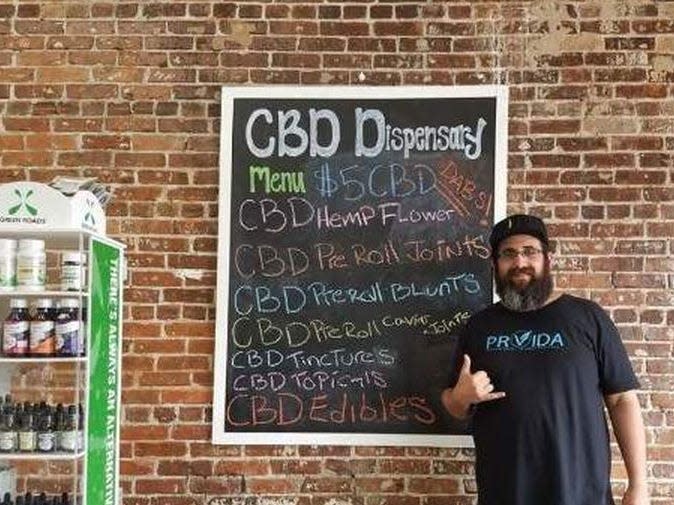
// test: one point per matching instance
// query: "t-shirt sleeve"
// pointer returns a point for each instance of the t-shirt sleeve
(615, 370)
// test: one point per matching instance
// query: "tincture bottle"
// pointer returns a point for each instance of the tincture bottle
(67, 328)
(16, 329)
(27, 431)
(69, 430)
(8, 432)
(46, 437)
(42, 338)
(80, 428)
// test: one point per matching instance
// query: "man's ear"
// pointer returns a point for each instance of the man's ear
(552, 259)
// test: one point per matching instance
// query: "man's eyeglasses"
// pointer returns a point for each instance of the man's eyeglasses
(527, 252)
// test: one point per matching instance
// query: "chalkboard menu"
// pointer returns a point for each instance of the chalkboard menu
(353, 246)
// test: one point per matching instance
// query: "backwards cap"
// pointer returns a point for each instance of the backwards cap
(517, 224)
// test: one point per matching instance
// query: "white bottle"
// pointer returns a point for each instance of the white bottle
(72, 270)
(7, 264)
(31, 265)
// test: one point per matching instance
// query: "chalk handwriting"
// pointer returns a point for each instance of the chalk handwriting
(273, 181)
(300, 360)
(262, 332)
(309, 381)
(287, 135)
(287, 409)
(292, 299)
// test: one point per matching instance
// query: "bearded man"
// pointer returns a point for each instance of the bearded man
(534, 372)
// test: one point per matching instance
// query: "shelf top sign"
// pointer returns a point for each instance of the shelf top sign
(31, 205)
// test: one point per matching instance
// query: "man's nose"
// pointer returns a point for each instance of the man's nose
(520, 259)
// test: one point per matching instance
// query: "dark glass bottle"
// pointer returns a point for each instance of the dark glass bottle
(13, 431)
(68, 328)
(57, 421)
(42, 337)
(68, 431)
(46, 437)
(16, 330)
(83, 332)
(4, 434)
(27, 432)
(80, 428)
(9, 439)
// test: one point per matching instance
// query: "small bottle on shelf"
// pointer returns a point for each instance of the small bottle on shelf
(82, 344)
(42, 335)
(31, 265)
(7, 264)
(8, 403)
(80, 428)
(68, 328)
(16, 329)
(72, 270)
(8, 433)
(68, 432)
(46, 436)
(4, 443)
(27, 431)
(58, 420)
(9, 439)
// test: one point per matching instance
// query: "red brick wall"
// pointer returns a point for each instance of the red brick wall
(128, 91)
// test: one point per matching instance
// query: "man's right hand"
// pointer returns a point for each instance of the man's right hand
(470, 389)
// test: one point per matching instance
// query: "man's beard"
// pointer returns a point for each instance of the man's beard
(529, 297)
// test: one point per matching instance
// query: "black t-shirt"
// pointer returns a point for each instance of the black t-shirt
(546, 442)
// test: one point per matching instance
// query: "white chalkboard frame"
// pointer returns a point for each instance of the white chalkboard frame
(228, 96)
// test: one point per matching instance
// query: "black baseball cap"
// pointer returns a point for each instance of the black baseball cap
(517, 224)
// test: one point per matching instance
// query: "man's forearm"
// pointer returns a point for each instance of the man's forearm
(454, 406)
(628, 427)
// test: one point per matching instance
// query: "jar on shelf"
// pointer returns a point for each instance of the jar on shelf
(7, 264)
(72, 270)
(31, 265)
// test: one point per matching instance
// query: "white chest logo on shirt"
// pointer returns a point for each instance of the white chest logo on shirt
(526, 340)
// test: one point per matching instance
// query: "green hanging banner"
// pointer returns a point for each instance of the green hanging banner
(102, 459)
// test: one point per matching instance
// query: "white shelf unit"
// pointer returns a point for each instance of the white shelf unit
(55, 359)
(43, 294)
(80, 368)
(45, 456)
